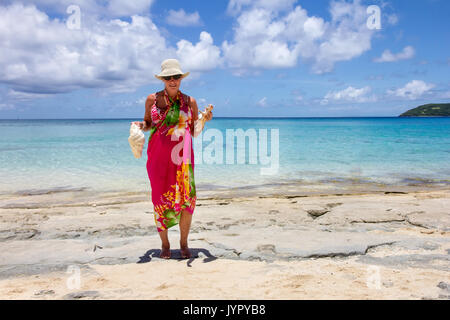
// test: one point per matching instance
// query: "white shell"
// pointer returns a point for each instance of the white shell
(200, 123)
(136, 140)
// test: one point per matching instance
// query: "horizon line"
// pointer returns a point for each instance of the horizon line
(217, 117)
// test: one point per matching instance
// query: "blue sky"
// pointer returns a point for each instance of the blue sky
(263, 58)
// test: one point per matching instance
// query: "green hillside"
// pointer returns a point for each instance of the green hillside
(429, 110)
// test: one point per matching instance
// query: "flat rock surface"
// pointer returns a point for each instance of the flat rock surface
(397, 234)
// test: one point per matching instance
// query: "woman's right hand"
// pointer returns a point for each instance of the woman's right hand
(140, 124)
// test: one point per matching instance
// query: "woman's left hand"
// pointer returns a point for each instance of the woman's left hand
(208, 116)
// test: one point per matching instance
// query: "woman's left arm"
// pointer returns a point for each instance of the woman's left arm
(194, 111)
(194, 108)
(195, 129)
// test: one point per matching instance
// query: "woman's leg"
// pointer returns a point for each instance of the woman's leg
(165, 245)
(185, 225)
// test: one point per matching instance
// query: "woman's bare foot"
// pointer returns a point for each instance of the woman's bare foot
(165, 253)
(185, 252)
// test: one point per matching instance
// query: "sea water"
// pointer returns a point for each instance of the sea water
(95, 155)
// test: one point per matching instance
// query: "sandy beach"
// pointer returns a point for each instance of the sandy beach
(77, 244)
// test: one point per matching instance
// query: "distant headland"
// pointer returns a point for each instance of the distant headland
(429, 110)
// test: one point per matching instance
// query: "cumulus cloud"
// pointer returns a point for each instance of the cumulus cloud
(412, 90)
(40, 55)
(202, 56)
(263, 41)
(387, 56)
(347, 36)
(269, 35)
(181, 19)
(350, 94)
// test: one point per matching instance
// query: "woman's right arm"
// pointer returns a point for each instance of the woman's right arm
(148, 123)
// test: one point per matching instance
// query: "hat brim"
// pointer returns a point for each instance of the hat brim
(166, 74)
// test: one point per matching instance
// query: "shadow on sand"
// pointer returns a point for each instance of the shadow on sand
(176, 254)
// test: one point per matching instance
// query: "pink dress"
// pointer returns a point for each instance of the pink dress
(170, 163)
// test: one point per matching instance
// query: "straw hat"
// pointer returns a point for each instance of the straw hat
(170, 67)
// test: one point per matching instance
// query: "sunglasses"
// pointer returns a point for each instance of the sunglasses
(176, 77)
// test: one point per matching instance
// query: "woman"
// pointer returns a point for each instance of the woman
(170, 117)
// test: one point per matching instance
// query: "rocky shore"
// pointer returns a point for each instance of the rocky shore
(78, 244)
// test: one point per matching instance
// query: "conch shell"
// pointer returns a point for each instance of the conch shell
(200, 123)
(136, 140)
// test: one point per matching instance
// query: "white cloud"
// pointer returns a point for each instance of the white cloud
(387, 56)
(412, 90)
(276, 36)
(347, 36)
(181, 18)
(349, 94)
(273, 54)
(262, 41)
(202, 56)
(392, 19)
(262, 102)
(314, 27)
(41, 55)
(141, 100)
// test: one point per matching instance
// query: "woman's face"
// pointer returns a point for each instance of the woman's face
(172, 85)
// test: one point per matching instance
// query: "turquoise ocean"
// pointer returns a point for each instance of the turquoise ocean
(41, 155)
